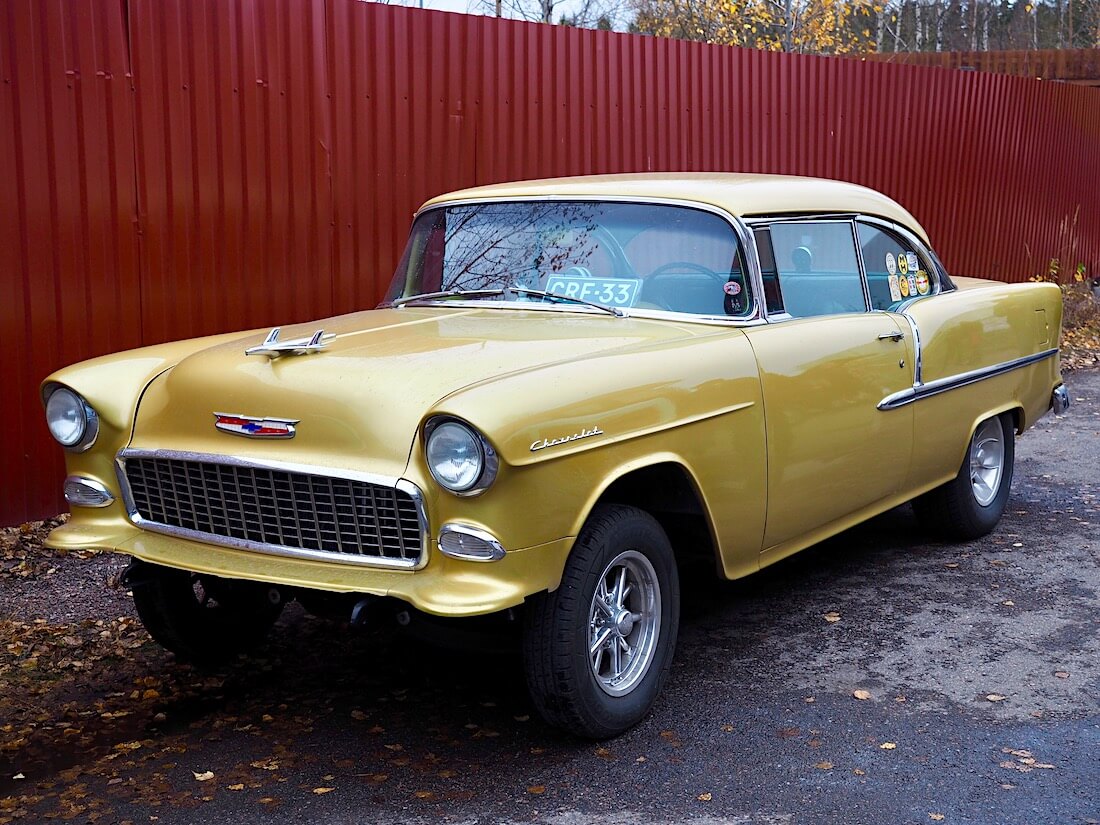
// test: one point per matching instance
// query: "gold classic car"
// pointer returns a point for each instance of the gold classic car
(571, 386)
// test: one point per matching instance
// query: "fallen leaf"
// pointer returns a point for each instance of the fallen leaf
(888, 746)
(831, 616)
(603, 753)
(640, 759)
(269, 765)
(789, 733)
(995, 697)
(935, 817)
(536, 789)
(1009, 603)
(205, 776)
(809, 700)
(424, 794)
(19, 776)
(859, 772)
(266, 800)
(703, 797)
(1062, 674)
(824, 766)
(727, 728)
(320, 791)
(358, 715)
(952, 564)
(524, 718)
(238, 787)
(861, 694)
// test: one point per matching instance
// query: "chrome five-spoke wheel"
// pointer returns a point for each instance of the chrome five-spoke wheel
(598, 647)
(624, 623)
(987, 458)
(971, 504)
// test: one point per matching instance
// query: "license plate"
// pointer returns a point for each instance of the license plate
(611, 292)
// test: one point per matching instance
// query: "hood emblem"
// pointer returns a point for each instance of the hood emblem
(272, 347)
(251, 426)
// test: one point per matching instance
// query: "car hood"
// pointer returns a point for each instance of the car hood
(360, 399)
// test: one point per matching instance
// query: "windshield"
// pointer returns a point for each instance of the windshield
(617, 255)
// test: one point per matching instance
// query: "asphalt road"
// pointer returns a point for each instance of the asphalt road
(982, 661)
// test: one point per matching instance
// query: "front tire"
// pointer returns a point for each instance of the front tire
(203, 619)
(598, 649)
(970, 505)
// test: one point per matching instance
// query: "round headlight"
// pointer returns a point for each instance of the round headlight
(71, 421)
(458, 458)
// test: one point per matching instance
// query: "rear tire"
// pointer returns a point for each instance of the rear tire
(970, 505)
(598, 649)
(204, 619)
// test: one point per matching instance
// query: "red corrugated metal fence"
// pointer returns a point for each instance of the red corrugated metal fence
(173, 168)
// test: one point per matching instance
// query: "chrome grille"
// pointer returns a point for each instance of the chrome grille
(275, 509)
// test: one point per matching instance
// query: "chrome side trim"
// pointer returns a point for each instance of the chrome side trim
(498, 551)
(401, 484)
(918, 358)
(953, 382)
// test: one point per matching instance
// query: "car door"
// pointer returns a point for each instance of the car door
(825, 362)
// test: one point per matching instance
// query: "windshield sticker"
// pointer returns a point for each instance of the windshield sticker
(895, 290)
(923, 286)
(903, 265)
(912, 277)
(891, 266)
(610, 292)
(903, 283)
(732, 288)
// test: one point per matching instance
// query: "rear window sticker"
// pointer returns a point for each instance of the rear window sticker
(895, 290)
(891, 264)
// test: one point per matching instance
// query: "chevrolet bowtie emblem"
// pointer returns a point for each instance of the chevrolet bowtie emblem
(272, 347)
(251, 426)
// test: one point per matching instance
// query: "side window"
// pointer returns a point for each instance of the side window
(773, 299)
(895, 270)
(817, 267)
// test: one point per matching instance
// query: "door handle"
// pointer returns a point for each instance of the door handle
(891, 336)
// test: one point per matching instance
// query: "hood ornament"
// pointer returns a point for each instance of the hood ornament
(252, 426)
(272, 347)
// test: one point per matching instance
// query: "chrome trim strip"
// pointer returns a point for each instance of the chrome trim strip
(953, 382)
(744, 235)
(91, 484)
(401, 484)
(477, 533)
(918, 356)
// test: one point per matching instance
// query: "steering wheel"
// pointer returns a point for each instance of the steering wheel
(664, 271)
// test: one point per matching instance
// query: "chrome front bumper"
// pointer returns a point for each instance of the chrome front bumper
(1059, 400)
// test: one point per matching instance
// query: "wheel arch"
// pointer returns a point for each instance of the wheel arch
(664, 487)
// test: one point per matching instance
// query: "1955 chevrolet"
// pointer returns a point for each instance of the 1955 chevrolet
(571, 386)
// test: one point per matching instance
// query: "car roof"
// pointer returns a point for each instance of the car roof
(739, 194)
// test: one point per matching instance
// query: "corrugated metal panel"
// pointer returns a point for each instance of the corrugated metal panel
(69, 285)
(263, 164)
(1069, 65)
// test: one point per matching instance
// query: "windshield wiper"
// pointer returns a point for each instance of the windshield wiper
(449, 293)
(569, 299)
